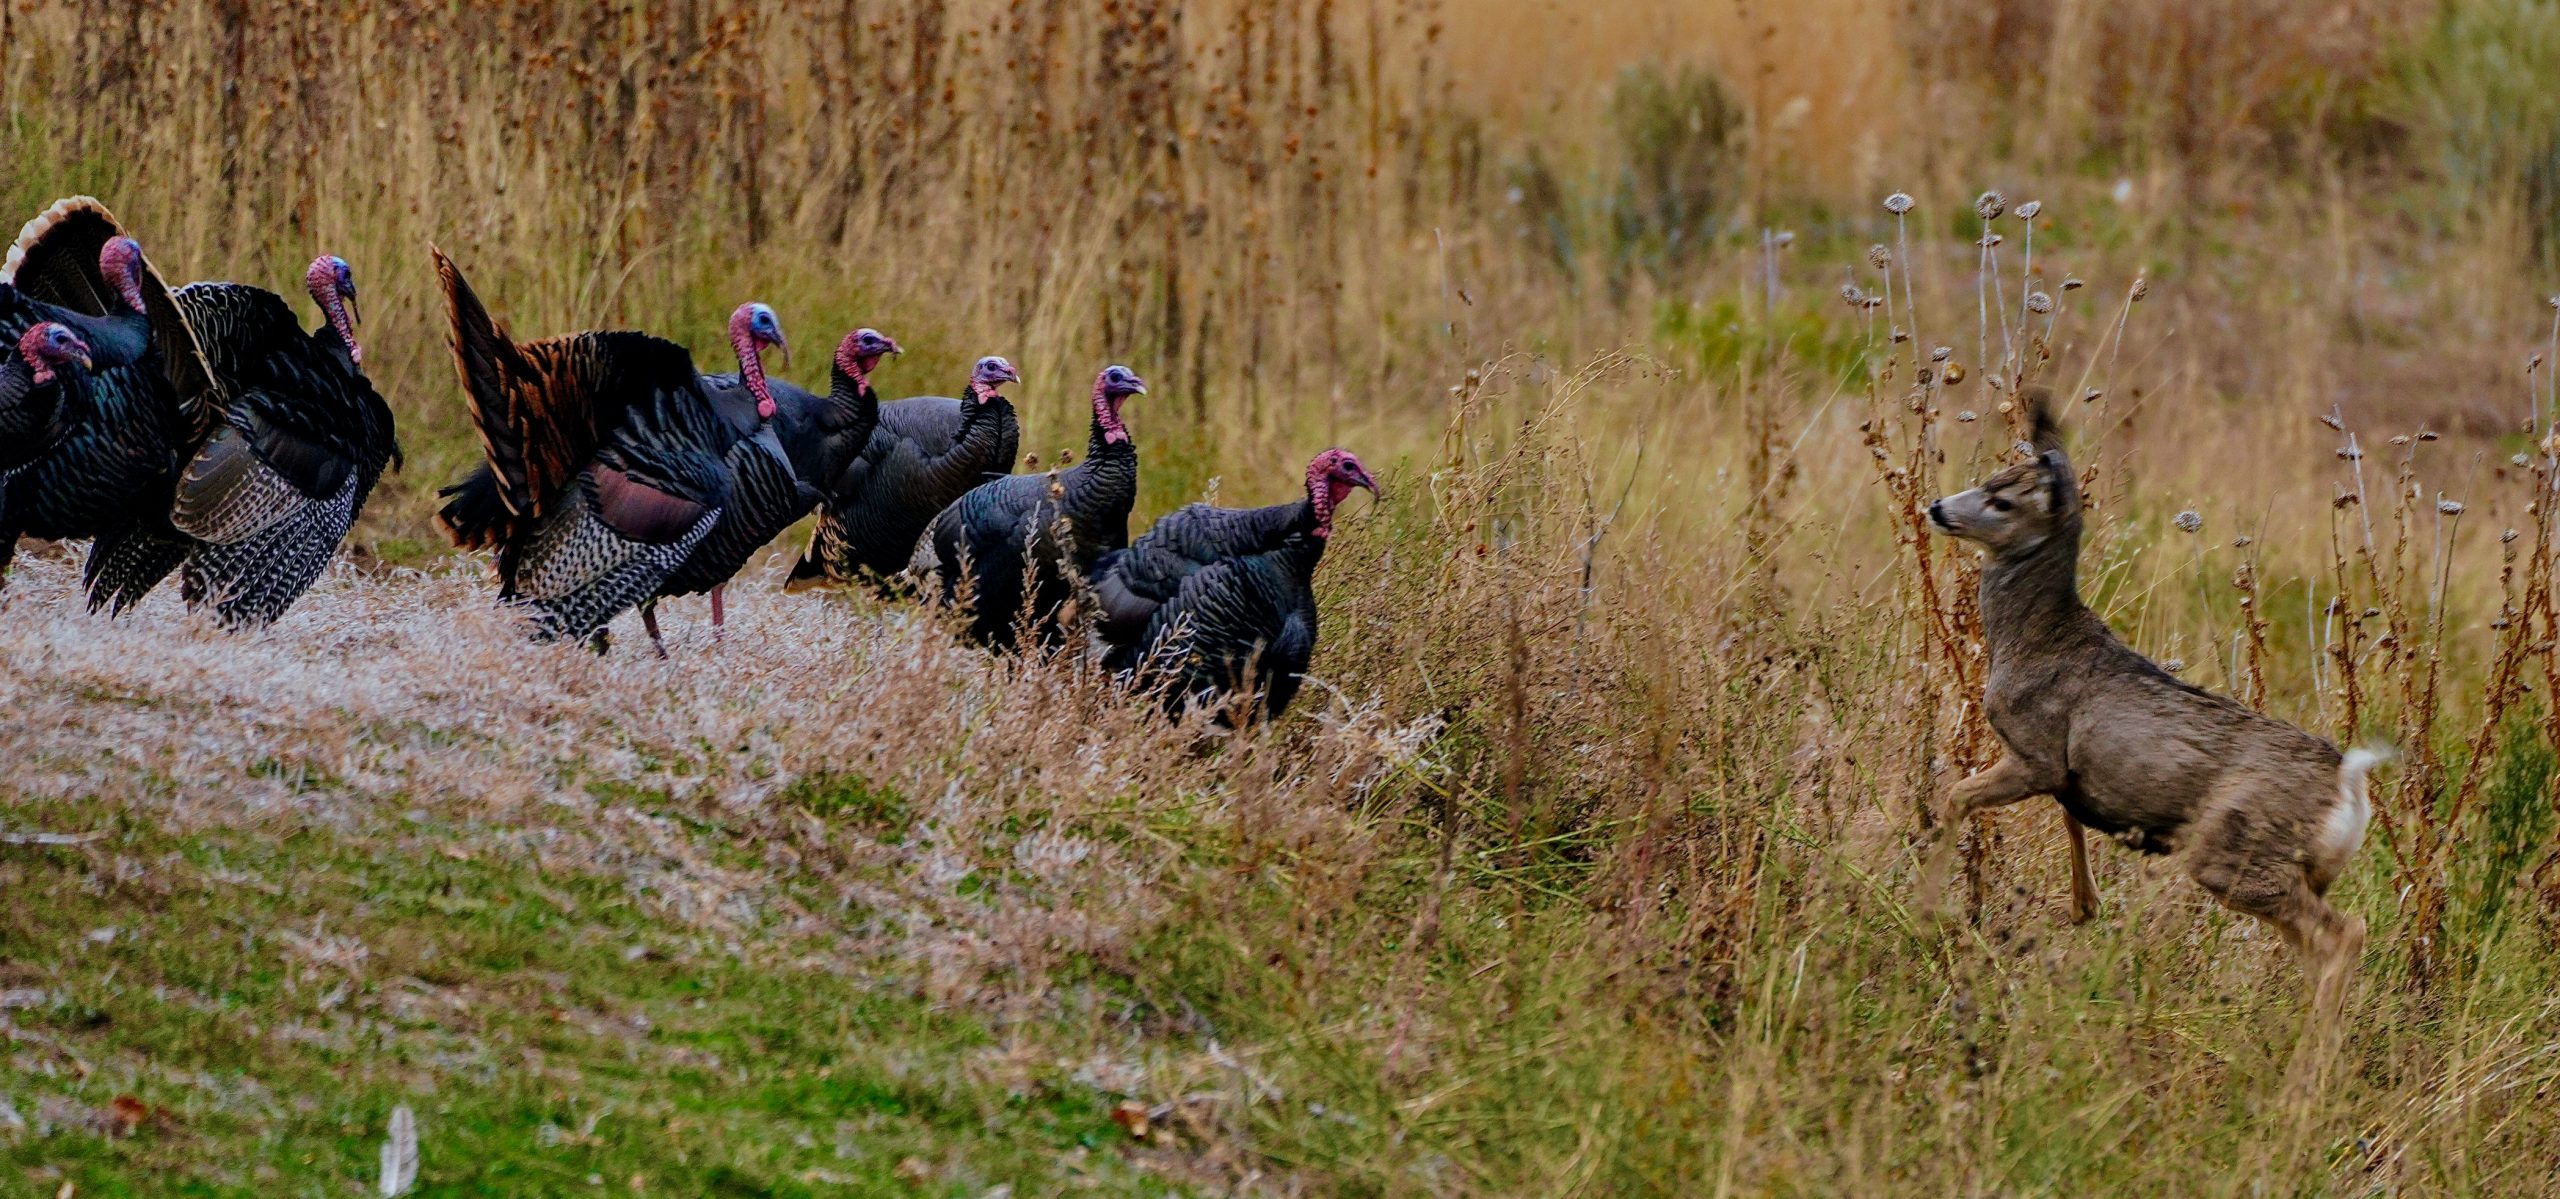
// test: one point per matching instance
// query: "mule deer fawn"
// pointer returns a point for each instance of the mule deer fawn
(2263, 814)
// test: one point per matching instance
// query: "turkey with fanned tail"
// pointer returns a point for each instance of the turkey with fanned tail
(1212, 603)
(925, 452)
(264, 502)
(113, 443)
(1019, 546)
(775, 475)
(603, 456)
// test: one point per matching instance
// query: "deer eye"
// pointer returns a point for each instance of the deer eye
(2000, 504)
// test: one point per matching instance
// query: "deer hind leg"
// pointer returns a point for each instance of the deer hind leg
(2276, 890)
(2003, 782)
(2084, 890)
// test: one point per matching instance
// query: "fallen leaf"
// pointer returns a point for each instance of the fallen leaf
(1131, 1116)
(125, 1114)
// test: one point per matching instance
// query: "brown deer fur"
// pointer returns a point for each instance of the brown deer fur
(2264, 815)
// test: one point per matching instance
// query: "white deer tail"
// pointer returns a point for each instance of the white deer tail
(2345, 828)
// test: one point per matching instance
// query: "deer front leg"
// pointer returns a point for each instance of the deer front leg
(2004, 782)
(2084, 890)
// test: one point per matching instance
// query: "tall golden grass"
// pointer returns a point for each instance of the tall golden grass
(1647, 668)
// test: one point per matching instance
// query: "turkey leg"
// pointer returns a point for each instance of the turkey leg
(649, 620)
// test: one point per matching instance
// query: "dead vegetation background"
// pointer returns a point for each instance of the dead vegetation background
(1586, 870)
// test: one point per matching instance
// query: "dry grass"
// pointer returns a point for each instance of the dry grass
(1586, 868)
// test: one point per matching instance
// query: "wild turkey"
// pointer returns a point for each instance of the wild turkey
(926, 452)
(771, 475)
(262, 505)
(108, 470)
(604, 458)
(1004, 534)
(43, 388)
(1215, 601)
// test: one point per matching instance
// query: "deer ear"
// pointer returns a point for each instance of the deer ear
(2061, 481)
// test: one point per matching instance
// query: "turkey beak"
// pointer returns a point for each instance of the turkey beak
(784, 344)
(85, 364)
(355, 314)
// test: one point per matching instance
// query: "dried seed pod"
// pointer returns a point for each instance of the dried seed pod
(2449, 507)
(1897, 203)
(1850, 295)
(2140, 288)
(2429, 435)
(1954, 373)
(2506, 537)
(2520, 460)
(1900, 336)
(1879, 257)
(2331, 419)
(2028, 210)
(1941, 354)
(2173, 665)
(2039, 303)
(2189, 521)
(1966, 416)
(2242, 541)
(2091, 396)
(2072, 283)
(1988, 205)
(1987, 240)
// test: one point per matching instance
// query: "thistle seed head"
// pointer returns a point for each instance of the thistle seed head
(1879, 257)
(2028, 210)
(1941, 354)
(1899, 203)
(2140, 288)
(1987, 240)
(2189, 521)
(2449, 507)
(2039, 303)
(1989, 205)
(1851, 296)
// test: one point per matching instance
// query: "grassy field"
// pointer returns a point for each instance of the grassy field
(1586, 866)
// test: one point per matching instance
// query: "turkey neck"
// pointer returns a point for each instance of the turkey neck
(983, 426)
(1108, 461)
(852, 403)
(117, 339)
(1301, 552)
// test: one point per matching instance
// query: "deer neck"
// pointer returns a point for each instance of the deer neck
(2032, 599)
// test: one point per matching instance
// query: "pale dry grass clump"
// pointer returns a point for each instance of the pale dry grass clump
(407, 695)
